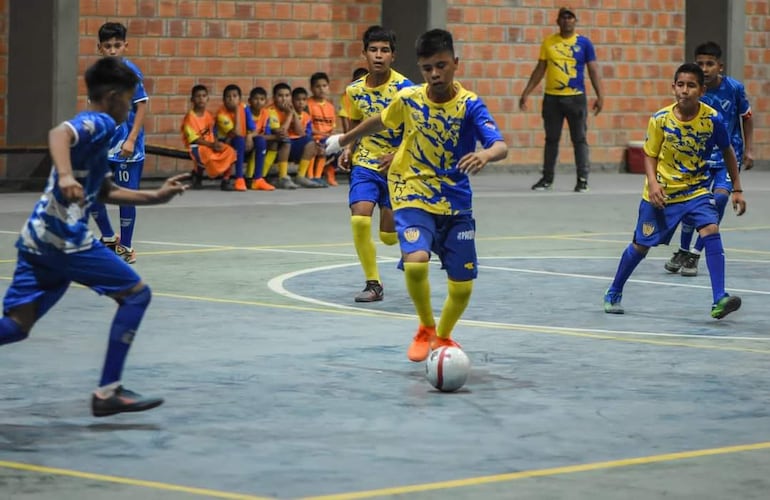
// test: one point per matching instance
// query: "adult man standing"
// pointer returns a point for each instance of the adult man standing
(564, 56)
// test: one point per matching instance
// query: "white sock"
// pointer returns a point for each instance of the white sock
(107, 391)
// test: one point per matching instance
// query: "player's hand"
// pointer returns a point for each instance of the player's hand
(127, 149)
(523, 103)
(748, 160)
(217, 146)
(656, 194)
(344, 161)
(71, 189)
(739, 203)
(385, 162)
(333, 145)
(172, 187)
(472, 163)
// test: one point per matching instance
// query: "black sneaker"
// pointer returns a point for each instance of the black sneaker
(197, 180)
(371, 293)
(690, 265)
(581, 186)
(112, 244)
(674, 264)
(122, 401)
(226, 185)
(543, 185)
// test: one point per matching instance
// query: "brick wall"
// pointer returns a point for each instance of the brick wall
(3, 76)
(639, 43)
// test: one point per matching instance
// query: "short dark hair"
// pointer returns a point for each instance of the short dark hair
(197, 88)
(112, 30)
(709, 49)
(107, 75)
(692, 69)
(257, 91)
(318, 75)
(379, 34)
(298, 91)
(280, 86)
(432, 42)
(230, 87)
(359, 72)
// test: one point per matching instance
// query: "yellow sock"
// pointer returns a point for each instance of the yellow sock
(302, 168)
(250, 165)
(416, 275)
(269, 160)
(459, 294)
(362, 239)
(283, 169)
(388, 238)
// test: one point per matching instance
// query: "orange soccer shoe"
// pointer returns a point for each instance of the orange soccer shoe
(261, 185)
(240, 184)
(420, 346)
(440, 342)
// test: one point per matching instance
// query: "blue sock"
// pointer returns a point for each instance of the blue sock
(628, 262)
(686, 236)
(10, 331)
(124, 326)
(715, 260)
(720, 200)
(102, 219)
(127, 221)
(260, 151)
(239, 144)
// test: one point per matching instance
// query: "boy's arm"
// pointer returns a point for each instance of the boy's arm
(748, 140)
(739, 203)
(472, 163)
(537, 74)
(128, 147)
(59, 141)
(116, 195)
(369, 126)
(654, 190)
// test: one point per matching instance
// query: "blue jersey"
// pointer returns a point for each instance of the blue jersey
(731, 102)
(424, 171)
(56, 225)
(124, 129)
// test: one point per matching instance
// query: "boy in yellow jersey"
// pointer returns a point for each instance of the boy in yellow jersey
(680, 138)
(342, 109)
(429, 185)
(281, 122)
(367, 97)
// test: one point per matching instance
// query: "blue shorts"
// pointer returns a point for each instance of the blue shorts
(451, 237)
(297, 148)
(44, 278)
(368, 185)
(720, 179)
(127, 174)
(656, 226)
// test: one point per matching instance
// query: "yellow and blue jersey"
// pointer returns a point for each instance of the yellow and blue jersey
(730, 100)
(436, 136)
(566, 60)
(124, 129)
(682, 149)
(364, 102)
(55, 224)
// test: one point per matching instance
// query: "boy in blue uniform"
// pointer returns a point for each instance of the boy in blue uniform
(367, 97)
(126, 153)
(679, 141)
(728, 97)
(428, 182)
(56, 247)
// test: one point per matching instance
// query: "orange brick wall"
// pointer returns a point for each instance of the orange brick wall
(639, 43)
(3, 76)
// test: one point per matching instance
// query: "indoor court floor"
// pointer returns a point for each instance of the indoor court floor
(279, 386)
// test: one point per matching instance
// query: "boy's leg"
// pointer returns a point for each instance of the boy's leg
(128, 175)
(553, 120)
(260, 153)
(102, 220)
(306, 156)
(576, 110)
(723, 304)
(284, 181)
(106, 274)
(367, 189)
(239, 144)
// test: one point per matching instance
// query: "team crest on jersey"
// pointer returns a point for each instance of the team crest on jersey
(412, 234)
(648, 228)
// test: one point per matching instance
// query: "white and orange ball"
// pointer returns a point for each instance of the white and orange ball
(447, 368)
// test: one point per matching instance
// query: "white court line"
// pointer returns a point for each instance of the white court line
(276, 284)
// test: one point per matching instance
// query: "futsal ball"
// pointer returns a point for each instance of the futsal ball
(447, 368)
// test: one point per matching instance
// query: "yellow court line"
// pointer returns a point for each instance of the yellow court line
(129, 481)
(553, 471)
